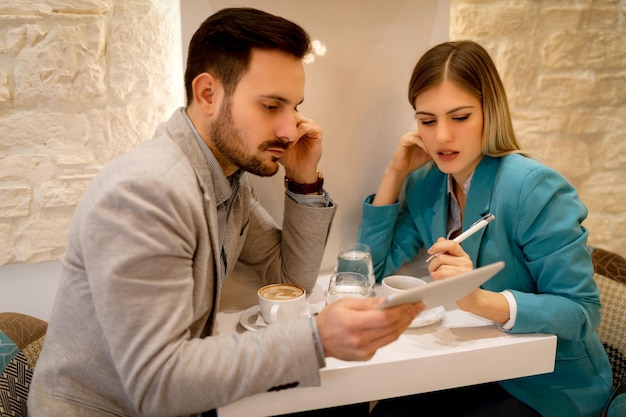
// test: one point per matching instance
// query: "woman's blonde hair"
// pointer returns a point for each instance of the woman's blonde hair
(469, 66)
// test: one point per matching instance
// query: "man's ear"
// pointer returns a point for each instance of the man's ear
(207, 93)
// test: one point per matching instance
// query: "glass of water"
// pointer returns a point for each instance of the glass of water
(357, 257)
(347, 284)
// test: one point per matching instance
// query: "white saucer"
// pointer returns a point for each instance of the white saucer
(428, 317)
(250, 317)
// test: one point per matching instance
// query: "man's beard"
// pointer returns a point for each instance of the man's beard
(230, 142)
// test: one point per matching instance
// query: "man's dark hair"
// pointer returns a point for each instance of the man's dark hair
(223, 43)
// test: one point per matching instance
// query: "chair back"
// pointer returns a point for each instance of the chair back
(610, 274)
(21, 340)
(616, 406)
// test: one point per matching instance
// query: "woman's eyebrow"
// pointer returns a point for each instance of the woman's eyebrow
(459, 108)
(417, 113)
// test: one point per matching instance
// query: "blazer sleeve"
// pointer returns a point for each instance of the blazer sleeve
(565, 299)
(397, 232)
(291, 254)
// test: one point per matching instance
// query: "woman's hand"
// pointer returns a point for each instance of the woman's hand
(488, 304)
(410, 154)
(453, 261)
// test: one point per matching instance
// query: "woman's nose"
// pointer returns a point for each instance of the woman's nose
(443, 133)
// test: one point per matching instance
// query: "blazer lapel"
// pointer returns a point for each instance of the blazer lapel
(183, 136)
(439, 219)
(478, 202)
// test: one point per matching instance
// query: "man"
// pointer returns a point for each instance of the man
(160, 229)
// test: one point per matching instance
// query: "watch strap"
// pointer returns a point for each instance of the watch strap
(298, 188)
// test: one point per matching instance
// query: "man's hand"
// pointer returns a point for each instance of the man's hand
(301, 159)
(353, 329)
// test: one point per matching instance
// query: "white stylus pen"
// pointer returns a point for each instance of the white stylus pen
(478, 224)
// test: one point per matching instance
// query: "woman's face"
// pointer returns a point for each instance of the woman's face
(450, 122)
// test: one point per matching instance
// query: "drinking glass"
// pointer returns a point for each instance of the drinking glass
(347, 284)
(357, 257)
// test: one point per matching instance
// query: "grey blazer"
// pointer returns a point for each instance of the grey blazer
(141, 281)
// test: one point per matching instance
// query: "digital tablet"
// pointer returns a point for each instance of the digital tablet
(445, 290)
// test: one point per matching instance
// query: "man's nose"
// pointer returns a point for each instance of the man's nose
(287, 126)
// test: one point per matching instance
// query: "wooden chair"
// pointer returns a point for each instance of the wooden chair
(21, 340)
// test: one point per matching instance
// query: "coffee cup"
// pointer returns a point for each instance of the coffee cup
(398, 283)
(281, 302)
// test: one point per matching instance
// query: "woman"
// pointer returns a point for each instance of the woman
(462, 162)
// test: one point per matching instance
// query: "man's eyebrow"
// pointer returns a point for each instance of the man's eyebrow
(281, 99)
(448, 112)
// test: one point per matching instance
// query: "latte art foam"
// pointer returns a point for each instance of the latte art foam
(281, 292)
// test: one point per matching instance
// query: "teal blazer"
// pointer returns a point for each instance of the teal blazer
(537, 232)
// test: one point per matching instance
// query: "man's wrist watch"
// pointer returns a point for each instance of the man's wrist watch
(296, 187)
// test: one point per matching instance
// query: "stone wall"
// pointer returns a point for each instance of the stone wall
(81, 82)
(563, 63)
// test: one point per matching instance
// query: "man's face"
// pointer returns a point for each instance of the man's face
(257, 123)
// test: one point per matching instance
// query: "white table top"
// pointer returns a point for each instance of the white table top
(460, 350)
